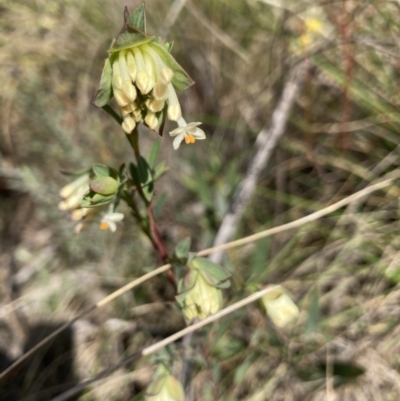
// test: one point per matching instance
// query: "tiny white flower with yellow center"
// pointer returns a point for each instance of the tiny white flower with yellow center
(188, 132)
(109, 220)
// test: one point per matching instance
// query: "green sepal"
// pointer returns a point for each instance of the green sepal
(182, 249)
(181, 79)
(137, 18)
(214, 274)
(104, 92)
(92, 199)
(104, 185)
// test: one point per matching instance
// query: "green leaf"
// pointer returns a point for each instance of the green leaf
(104, 92)
(134, 174)
(153, 154)
(146, 178)
(214, 274)
(104, 185)
(160, 170)
(181, 79)
(137, 18)
(182, 249)
(159, 204)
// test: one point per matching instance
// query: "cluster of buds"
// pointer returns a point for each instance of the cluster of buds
(142, 87)
(200, 292)
(74, 194)
(143, 78)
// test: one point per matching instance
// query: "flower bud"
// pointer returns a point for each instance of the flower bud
(164, 388)
(129, 124)
(151, 120)
(279, 306)
(74, 192)
(121, 98)
(202, 299)
(155, 105)
(131, 63)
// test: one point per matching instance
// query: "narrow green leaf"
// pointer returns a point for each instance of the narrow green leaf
(182, 249)
(181, 79)
(104, 92)
(146, 178)
(159, 204)
(160, 170)
(153, 154)
(134, 174)
(137, 18)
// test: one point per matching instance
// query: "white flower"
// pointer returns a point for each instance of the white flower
(109, 219)
(188, 132)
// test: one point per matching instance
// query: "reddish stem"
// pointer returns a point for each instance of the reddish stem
(159, 244)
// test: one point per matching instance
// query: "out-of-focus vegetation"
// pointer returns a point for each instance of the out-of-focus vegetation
(343, 270)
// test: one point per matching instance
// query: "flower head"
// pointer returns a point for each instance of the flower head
(188, 132)
(143, 78)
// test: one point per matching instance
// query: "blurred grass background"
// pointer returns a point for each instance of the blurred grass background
(343, 270)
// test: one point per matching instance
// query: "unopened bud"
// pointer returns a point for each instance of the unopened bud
(280, 308)
(131, 63)
(166, 74)
(128, 125)
(151, 120)
(156, 105)
(121, 98)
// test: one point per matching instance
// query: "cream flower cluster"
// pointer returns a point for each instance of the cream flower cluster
(73, 194)
(142, 87)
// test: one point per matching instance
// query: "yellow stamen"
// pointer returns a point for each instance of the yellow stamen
(189, 138)
(104, 226)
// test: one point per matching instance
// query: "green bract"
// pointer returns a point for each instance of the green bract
(102, 188)
(199, 293)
